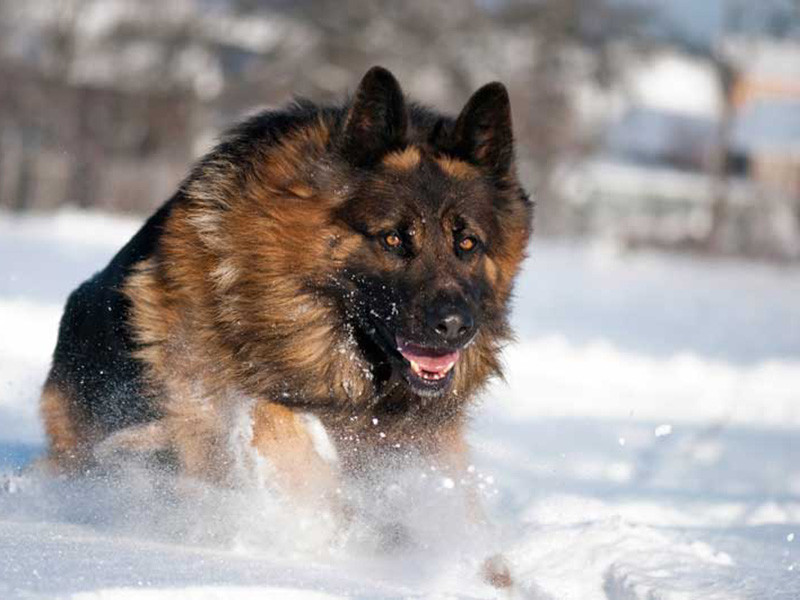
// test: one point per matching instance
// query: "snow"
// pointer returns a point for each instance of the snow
(644, 445)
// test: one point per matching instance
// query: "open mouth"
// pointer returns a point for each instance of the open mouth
(427, 370)
(431, 367)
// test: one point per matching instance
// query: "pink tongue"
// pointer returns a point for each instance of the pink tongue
(434, 364)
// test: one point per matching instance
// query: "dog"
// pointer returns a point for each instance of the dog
(325, 267)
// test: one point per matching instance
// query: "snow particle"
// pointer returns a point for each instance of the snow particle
(621, 441)
(790, 537)
(448, 483)
(663, 430)
(374, 421)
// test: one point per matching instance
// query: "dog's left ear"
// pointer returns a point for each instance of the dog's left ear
(377, 120)
(483, 134)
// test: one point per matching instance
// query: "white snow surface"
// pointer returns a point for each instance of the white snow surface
(646, 444)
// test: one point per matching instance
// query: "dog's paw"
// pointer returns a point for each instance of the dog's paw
(496, 572)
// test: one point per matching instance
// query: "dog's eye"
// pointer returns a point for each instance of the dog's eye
(392, 240)
(467, 244)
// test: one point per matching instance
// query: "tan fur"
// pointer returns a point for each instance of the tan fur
(68, 439)
(184, 379)
(301, 191)
(191, 311)
(403, 160)
(456, 168)
(281, 437)
(492, 272)
(508, 259)
(496, 573)
(147, 438)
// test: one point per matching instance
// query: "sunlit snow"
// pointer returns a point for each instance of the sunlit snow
(644, 445)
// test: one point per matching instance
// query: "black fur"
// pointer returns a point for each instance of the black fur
(93, 356)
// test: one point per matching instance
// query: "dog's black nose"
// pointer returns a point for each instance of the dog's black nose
(453, 325)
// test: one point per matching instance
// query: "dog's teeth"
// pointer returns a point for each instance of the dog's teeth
(436, 375)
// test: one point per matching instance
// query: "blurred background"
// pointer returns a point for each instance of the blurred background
(673, 124)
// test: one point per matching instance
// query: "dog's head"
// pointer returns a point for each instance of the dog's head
(434, 225)
(351, 249)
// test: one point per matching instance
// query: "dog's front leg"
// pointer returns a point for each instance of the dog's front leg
(301, 456)
(453, 454)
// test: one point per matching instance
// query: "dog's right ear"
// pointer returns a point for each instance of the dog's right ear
(377, 120)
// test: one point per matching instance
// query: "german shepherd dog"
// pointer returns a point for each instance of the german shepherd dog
(324, 267)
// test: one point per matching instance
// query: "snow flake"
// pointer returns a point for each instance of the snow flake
(663, 430)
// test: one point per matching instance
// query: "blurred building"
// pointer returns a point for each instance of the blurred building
(683, 144)
(767, 101)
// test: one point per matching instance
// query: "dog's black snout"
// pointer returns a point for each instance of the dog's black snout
(452, 324)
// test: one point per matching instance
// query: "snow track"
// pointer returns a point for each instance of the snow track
(646, 445)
